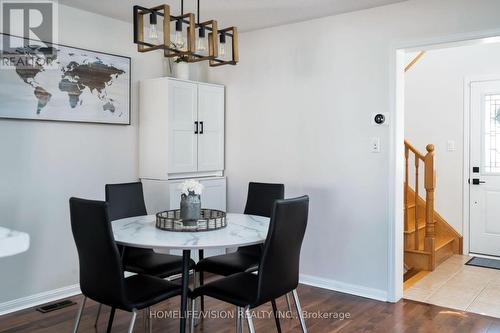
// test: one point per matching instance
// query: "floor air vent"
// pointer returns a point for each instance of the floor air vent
(55, 306)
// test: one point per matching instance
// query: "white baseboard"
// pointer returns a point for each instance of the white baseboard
(64, 292)
(377, 294)
(37, 299)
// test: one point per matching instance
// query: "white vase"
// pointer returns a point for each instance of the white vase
(168, 67)
(182, 70)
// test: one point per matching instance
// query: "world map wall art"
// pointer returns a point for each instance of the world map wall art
(56, 82)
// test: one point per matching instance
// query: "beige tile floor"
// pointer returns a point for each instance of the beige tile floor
(456, 286)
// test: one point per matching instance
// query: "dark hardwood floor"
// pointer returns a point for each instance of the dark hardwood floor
(365, 316)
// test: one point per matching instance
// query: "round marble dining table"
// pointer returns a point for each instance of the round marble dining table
(140, 231)
(13, 242)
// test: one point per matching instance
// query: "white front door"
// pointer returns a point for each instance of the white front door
(484, 173)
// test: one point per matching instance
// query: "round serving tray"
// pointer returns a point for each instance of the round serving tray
(211, 219)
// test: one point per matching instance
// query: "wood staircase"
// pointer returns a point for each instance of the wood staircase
(428, 238)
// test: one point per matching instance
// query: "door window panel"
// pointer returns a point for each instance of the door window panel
(491, 134)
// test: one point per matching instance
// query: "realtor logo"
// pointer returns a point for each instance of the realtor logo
(29, 27)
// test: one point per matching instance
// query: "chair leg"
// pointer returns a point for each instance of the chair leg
(79, 315)
(288, 303)
(132, 321)
(196, 285)
(150, 321)
(145, 320)
(110, 320)
(276, 316)
(239, 322)
(202, 298)
(193, 315)
(98, 315)
(201, 256)
(299, 311)
(248, 314)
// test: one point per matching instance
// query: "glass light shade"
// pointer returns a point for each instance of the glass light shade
(178, 40)
(222, 50)
(153, 27)
(153, 32)
(202, 44)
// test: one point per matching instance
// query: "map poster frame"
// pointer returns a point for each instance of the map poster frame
(119, 100)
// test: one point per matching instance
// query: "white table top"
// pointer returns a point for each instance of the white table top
(13, 242)
(141, 232)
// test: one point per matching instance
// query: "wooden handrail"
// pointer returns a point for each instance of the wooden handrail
(417, 236)
(414, 61)
(430, 186)
(414, 150)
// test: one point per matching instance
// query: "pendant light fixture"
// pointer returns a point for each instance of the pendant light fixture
(153, 30)
(177, 45)
(228, 48)
(222, 45)
(202, 42)
(152, 43)
(179, 41)
(206, 44)
(196, 41)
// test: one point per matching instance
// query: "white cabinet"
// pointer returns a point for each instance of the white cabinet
(211, 122)
(161, 195)
(181, 129)
(213, 196)
(183, 115)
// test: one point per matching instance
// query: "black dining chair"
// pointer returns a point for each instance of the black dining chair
(101, 270)
(260, 201)
(278, 271)
(127, 200)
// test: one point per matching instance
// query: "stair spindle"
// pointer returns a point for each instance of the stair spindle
(417, 243)
(407, 154)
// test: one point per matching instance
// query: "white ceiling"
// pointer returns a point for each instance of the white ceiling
(245, 14)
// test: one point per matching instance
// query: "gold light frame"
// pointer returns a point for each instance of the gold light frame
(233, 33)
(213, 43)
(189, 20)
(191, 47)
(163, 10)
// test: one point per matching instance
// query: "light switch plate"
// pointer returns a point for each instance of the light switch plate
(450, 145)
(375, 145)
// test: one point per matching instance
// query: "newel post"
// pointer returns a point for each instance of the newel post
(430, 185)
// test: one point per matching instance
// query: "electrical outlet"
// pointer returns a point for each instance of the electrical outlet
(375, 145)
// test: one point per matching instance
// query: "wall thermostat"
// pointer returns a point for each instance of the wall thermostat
(379, 119)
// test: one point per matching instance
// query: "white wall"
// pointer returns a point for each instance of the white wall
(434, 113)
(298, 111)
(43, 164)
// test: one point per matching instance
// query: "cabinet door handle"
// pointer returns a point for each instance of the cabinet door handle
(195, 127)
(201, 123)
